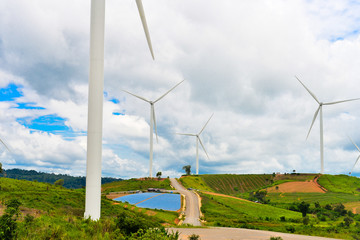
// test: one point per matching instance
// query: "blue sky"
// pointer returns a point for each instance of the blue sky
(238, 59)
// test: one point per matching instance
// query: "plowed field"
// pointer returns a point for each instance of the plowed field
(291, 187)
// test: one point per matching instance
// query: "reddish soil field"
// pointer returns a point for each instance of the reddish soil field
(290, 187)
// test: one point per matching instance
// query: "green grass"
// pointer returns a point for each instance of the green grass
(195, 182)
(340, 183)
(228, 212)
(135, 184)
(284, 200)
(254, 210)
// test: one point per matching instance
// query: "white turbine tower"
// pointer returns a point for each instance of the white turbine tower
(153, 121)
(197, 144)
(321, 121)
(357, 157)
(95, 105)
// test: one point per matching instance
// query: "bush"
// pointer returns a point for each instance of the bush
(194, 237)
(306, 220)
(348, 221)
(276, 238)
(290, 228)
(154, 233)
(8, 222)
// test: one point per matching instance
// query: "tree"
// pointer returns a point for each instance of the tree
(8, 222)
(187, 169)
(1, 169)
(304, 208)
(59, 182)
(158, 175)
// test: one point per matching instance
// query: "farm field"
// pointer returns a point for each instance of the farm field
(289, 187)
(234, 184)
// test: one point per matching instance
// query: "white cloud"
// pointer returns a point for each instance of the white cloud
(239, 59)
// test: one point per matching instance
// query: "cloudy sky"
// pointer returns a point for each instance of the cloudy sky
(238, 59)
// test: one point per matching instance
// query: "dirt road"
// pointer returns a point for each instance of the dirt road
(238, 234)
(192, 211)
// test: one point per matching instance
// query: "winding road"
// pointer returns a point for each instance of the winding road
(192, 213)
(192, 210)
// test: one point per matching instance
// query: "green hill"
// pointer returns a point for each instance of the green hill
(47, 211)
(340, 183)
(69, 181)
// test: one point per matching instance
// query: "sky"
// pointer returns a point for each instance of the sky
(239, 60)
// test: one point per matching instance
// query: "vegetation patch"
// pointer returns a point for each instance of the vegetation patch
(195, 182)
(34, 210)
(340, 183)
(136, 184)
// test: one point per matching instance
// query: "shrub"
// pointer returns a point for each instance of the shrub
(290, 228)
(306, 220)
(276, 238)
(348, 221)
(194, 237)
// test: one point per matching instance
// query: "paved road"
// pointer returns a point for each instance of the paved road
(238, 234)
(192, 211)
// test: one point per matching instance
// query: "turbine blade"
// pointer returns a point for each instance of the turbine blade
(330, 103)
(203, 146)
(313, 95)
(186, 134)
(168, 92)
(355, 163)
(146, 30)
(354, 143)
(137, 96)
(153, 109)
(314, 118)
(3, 143)
(205, 124)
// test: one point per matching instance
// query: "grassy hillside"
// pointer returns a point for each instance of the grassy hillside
(136, 184)
(53, 212)
(195, 182)
(340, 183)
(32, 175)
(229, 212)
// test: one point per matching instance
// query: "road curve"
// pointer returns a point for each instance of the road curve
(192, 211)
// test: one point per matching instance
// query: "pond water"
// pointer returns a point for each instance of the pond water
(165, 201)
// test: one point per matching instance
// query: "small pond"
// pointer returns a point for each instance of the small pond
(165, 201)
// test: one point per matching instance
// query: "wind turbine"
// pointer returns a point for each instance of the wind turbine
(95, 105)
(3, 143)
(321, 121)
(357, 157)
(197, 143)
(153, 121)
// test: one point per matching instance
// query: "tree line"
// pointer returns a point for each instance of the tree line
(68, 181)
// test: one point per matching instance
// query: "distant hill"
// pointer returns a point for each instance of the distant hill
(69, 181)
